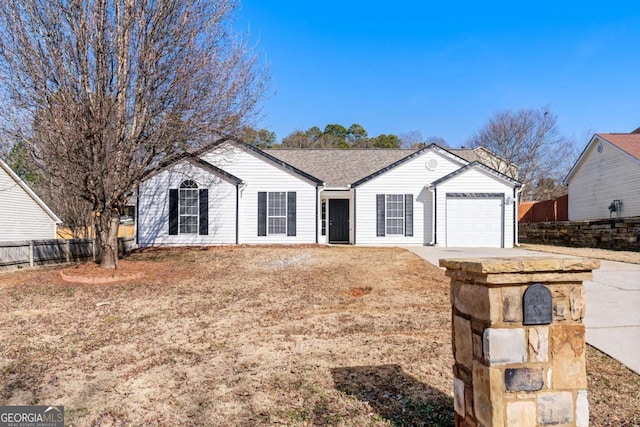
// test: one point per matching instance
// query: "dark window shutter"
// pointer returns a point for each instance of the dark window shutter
(262, 213)
(408, 214)
(203, 228)
(380, 214)
(291, 213)
(173, 211)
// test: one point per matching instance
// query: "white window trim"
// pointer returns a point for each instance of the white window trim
(387, 217)
(285, 216)
(195, 189)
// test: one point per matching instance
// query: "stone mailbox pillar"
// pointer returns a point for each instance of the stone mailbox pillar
(519, 341)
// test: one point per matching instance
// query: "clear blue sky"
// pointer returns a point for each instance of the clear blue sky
(443, 68)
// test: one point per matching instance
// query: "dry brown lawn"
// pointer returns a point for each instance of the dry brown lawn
(250, 336)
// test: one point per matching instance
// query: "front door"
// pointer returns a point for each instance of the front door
(338, 221)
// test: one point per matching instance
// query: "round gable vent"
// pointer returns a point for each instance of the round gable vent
(431, 164)
(599, 148)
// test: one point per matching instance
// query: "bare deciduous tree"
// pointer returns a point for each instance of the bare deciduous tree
(105, 91)
(412, 139)
(531, 139)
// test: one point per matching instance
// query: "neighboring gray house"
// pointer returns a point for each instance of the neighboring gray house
(605, 180)
(239, 194)
(23, 215)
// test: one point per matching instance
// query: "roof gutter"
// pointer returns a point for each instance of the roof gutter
(347, 188)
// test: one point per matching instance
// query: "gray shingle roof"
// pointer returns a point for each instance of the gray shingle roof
(466, 153)
(340, 168)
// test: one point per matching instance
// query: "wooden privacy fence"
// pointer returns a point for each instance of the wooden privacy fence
(546, 211)
(30, 253)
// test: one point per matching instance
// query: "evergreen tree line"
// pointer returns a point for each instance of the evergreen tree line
(333, 136)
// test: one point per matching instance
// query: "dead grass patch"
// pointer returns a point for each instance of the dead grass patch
(243, 336)
(359, 291)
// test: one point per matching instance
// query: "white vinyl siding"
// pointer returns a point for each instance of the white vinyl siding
(412, 177)
(153, 208)
(600, 179)
(479, 182)
(21, 217)
(260, 175)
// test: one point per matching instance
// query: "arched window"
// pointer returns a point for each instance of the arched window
(188, 208)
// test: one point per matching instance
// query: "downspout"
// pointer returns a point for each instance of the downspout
(433, 215)
(515, 215)
(239, 189)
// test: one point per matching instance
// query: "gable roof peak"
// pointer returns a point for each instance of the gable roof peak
(627, 142)
(477, 165)
(30, 192)
(273, 159)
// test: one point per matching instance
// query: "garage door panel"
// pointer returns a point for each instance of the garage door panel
(474, 222)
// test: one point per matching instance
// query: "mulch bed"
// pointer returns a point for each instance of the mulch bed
(91, 273)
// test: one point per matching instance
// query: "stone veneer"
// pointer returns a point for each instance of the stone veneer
(618, 234)
(508, 374)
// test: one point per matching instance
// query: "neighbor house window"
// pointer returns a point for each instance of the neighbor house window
(188, 208)
(394, 215)
(277, 212)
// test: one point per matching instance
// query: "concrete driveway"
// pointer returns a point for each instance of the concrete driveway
(612, 298)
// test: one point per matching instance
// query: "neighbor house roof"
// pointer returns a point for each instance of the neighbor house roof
(30, 192)
(466, 153)
(628, 142)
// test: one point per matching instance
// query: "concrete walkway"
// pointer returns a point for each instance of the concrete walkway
(612, 298)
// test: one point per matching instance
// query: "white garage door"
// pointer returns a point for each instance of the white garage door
(474, 222)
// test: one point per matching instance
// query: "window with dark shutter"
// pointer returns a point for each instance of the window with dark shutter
(394, 212)
(277, 212)
(291, 213)
(204, 212)
(380, 217)
(262, 213)
(173, 211)
(408, 215)
(188, 206)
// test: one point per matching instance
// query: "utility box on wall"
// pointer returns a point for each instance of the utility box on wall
(519, 341)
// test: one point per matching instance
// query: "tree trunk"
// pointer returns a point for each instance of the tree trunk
(107, 225)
